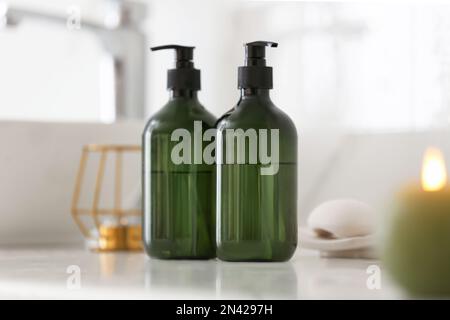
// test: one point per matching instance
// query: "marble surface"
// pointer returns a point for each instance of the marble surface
(42, 273)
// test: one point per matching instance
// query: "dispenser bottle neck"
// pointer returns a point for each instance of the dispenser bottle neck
(183, 94)
(249, 93)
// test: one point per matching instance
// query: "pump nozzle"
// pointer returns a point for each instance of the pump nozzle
(183, 54)
(184, 76)
(255, 52)
(255, 74)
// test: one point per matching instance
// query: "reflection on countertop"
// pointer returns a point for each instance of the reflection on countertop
(217, 279)
(43, 273)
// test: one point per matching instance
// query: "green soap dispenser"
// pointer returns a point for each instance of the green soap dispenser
(178, 196)
(256, 170)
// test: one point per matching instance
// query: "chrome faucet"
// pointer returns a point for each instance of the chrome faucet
(123, 78)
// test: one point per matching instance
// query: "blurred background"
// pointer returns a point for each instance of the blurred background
(362, 66)
(367, 85)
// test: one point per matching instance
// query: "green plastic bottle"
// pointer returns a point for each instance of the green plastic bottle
(178, 198)
(256, 182)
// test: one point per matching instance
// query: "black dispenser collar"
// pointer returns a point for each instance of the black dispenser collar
(184, 76)
(255, 74)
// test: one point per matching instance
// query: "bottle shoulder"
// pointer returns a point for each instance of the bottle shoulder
(180, 114)
(252, 114)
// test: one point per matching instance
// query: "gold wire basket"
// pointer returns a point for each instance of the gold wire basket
(118, 233)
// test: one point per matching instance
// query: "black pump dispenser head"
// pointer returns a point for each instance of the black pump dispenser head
(184, 76)
(255, 74)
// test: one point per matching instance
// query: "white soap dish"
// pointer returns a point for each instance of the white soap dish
(342, 228)
(353, 247)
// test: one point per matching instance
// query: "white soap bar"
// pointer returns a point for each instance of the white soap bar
(342, 218)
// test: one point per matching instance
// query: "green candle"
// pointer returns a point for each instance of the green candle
(417, 248)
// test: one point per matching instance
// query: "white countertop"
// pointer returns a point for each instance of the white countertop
(42, 273)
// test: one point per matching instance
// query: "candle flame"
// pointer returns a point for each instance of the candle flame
(434, 173)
